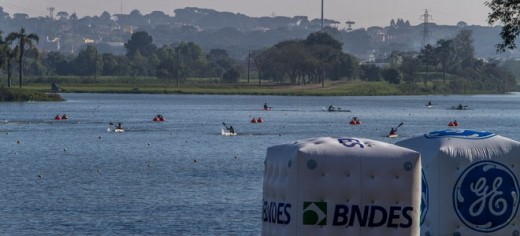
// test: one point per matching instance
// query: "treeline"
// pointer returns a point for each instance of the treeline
(143, 59)
(449, 66)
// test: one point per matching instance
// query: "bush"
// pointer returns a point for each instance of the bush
(391, 76)
(231, 76)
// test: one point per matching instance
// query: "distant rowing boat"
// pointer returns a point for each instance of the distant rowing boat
(335, 109)
(465, 107)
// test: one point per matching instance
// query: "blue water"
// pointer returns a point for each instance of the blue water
(181, 177)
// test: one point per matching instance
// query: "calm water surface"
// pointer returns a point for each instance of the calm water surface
(181, 177)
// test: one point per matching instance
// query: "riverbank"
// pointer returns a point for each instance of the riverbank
(329, 89)
(350, 88)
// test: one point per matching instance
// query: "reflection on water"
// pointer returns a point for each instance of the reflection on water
(181, 177)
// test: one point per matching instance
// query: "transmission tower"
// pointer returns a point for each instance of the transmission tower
(349, 25)
(426, 17)
(321, 14)
(51, 12)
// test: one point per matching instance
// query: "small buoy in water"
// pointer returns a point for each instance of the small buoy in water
(18, 141)
(236, 157)
(64, 149)
(280, 135)
(40, 176)
(194, 160)
(171, 133)
(148, 143)
(149, 165)
(99, 137)
(98, 170)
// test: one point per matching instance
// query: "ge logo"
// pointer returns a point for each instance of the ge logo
(485, 196)
(425, 197)
(350, 142)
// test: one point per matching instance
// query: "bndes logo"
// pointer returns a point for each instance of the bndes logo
(486, 196)
(276, 212)
(315, 213)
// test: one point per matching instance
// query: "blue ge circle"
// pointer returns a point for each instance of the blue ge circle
(486, 196)
(425, 198)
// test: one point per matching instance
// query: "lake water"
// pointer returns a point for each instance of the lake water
(181, 177)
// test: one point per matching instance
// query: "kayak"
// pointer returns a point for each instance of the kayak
(459, 108)
(226, 133)
(115, 130)
(338, 110)
(392, 135)
(335, 109)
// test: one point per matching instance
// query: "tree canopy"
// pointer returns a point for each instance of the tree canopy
(507, 13)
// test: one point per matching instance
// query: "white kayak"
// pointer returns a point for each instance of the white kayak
(116, 130)
(392, 136)
(227, 133)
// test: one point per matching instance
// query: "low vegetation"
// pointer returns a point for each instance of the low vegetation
(26, 95)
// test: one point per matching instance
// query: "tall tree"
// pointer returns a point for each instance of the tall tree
(446, 54)
(428, 58)
(140, 41)
(24, 41)
(7, 54)
(88, 62)
(463, 46)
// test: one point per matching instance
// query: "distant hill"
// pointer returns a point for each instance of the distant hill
(237, 33)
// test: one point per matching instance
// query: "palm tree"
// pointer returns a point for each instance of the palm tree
(25, 41)
(6, 56)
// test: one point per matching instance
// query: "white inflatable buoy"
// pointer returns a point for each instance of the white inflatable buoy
(473, 172)
(341, 186)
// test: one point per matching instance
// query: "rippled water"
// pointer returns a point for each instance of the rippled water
(181, 177)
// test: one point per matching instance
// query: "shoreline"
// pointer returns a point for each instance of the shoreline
(41, 91)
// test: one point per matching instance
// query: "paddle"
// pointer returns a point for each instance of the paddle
(225, 125)
(398, 126)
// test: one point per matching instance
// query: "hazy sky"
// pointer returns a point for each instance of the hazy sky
(364, 12)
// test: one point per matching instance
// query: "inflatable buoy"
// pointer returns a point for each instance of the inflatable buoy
(57, 117)
(159, 118)
(253, 120)
(453, 123)
(260, 120)
(355, 121)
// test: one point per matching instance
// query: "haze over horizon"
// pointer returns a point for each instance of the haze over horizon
(363, 13)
